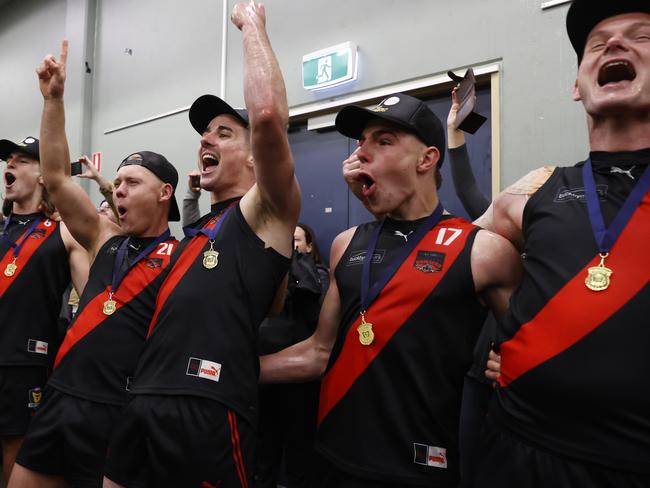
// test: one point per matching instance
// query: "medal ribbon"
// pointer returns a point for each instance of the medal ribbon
(180, 267)
(210, 232)
(369, 294)
(606, 237)
(15, 246)
(118, 272)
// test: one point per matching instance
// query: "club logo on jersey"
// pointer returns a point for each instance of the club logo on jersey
(565, 194)
(203, 368)
(153, 263)
(429, 261)
(35, 396)
(430, 455)
(357, 257)
(39, 347)
(37, 234)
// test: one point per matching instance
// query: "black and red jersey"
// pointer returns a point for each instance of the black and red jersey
(30, 299)
(203, 338)
(390, 411)
(99, 353)
(575, 362)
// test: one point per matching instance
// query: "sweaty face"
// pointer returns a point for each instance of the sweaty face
(614, 76)
(223, 153)
(389, 157)
(300, 241)
(136, 197)
(21, 177)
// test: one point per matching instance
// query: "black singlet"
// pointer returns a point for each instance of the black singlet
(203, 340)
(99, 353)
(398, 422)
(30, 306)
(589, 398)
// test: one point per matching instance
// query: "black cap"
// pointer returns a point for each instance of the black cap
(29, 146)
(584, 15)
(207, 107)
(408, 112)
(163, 169)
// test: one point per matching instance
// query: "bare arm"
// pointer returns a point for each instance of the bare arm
(505, 215)
(308, 359)
(106, 187)
(72, 202)
(77, 258)
(497, 270)
(275, 199)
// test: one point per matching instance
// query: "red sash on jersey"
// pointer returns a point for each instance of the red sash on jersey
(92, 314)
(185, 260)
(32, 243)
(399, 299)
(575, 311)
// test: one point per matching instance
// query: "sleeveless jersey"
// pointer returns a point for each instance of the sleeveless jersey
(30, 300)
(203, 336)
(390, 411)
(99, 353)
(575, 362)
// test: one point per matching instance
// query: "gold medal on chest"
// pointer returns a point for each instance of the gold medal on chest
(210, 258)
(366, 335)
(598, 277)
(110, 305)
(11, 268)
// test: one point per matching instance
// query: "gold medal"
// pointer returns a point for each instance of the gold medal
(11, 268)
(366, 335)
(110, 305)
(210, 258)
(598, 276)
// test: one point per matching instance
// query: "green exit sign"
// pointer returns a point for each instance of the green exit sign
(328, 67)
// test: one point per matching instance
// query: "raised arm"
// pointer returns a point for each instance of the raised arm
(106, 187)
(191, 212)
(72, 202)
(308, 359)
(474, 202)
(277, 195)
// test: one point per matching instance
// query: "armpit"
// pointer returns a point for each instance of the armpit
(532, 182)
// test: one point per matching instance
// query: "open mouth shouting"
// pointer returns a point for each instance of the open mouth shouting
(368, 185)
(10, 178)
(209, 161)
(616, 71)
(121, 212)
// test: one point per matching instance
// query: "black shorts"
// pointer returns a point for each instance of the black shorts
(507, 461)
(180, 441)
(69, 437)
(328, 475)
(20, 393)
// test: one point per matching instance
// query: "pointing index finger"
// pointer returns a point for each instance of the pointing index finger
(64, 52)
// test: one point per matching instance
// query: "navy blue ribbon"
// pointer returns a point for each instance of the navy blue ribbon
(606, 237)
(15, 246)
(118, 272)
(210, 233)
(368, 295)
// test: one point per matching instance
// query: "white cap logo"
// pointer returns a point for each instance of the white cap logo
(390, 101)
